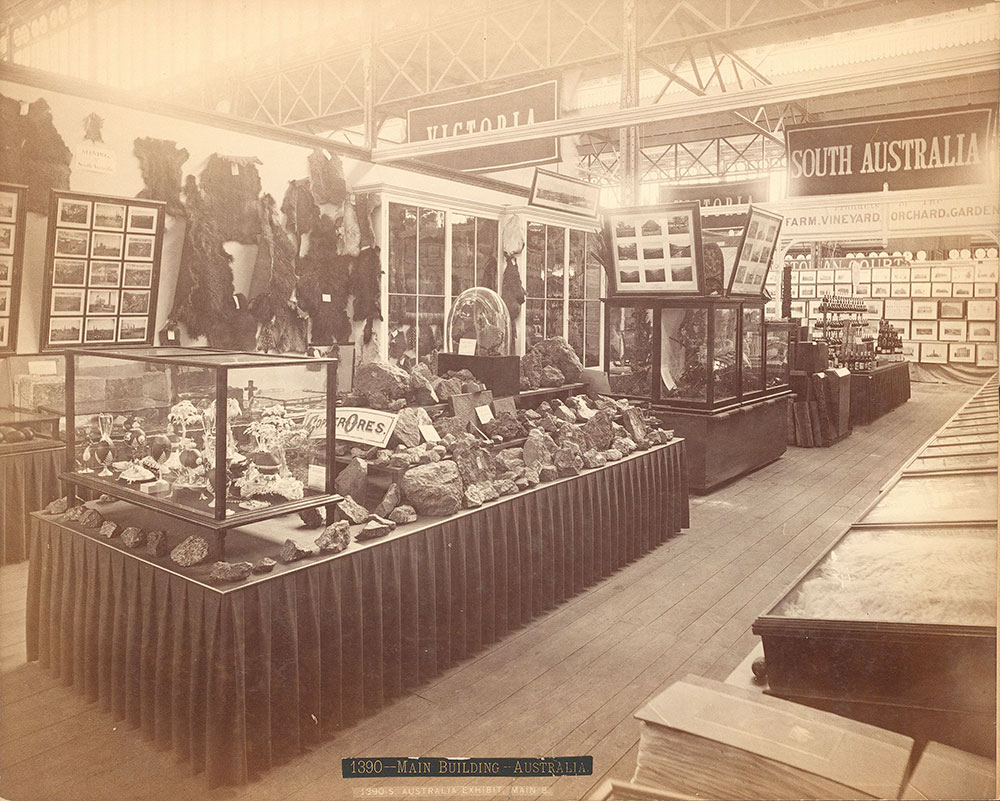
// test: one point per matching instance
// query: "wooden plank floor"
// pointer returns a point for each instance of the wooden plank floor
(566, 684)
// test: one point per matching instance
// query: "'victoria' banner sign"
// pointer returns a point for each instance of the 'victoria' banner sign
(513, 109)
(911, 151)
(734, 193)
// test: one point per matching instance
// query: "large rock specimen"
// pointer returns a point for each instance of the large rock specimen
(353, 478)
(551, 377)
(634, 424)
(335, 538)
(403, 514)
(109, 529)
(434, 489)
(538, 448)
(312, 517)
(264, 565)
(58, 507)
(91, 519)
(473, 496)
(506, 426)
(593, 458)
(531, 370)
(624, 444)
(422, 385)
(372, 379)
(291, 552)
(352, 510)
(408, 422)
(569, 434)
(473, 463)
(597, 431)
(389, 501)
(230, 571)
(556, 352)
(133, 537)
(191, 552)
(374, 528)
(568, 461)
(156, 543)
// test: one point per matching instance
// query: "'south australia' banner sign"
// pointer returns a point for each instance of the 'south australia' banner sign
(514, 109)
(911, 151)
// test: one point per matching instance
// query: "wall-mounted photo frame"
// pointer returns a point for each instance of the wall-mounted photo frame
(903, 326)
(940, 274)
(865, 275)
(986, 271)
(807, 292)
(807, 277)
(900, 275)
(863, 290)
(911, 351)
(843, 290)
(963, 273)
(920, 290)
(102, 266)
(982, 331)
(924, 330)
(825, 276)
(753, 256)
(920, 274)
(900, 290)
(952, 331)
(940, 290)
(934, 352)
(874, 308)
(550, 190)
(986, 355)
(981, 310)
(798, 309)
(924, 310)
(986, 289)
(13, 212)
(962, 353)
(896, 309)
(823, 290)
(962, 290)
(881, 290)
(881, 275)
(951, 310)
(656, 249)
(843, 277)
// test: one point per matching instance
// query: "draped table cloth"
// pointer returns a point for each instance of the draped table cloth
(238, 678)
(29, 480)
(879, 391)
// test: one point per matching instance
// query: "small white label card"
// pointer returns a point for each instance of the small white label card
(429, 433)
(484, 413)
(467, 347)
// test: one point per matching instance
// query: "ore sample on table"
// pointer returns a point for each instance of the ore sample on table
(312, 517)
(505, 486)
(473, 497)
(389, 501)
(381, 380)
(374, 529)
(351, 510)
(105, 499)
(230, 571)
(598, 431)
(263, 565)
(353, 478)
(506, 426)
(571, 435)
(433, 489)
(76, 512)
(634, 424)
(547, 472)
(133, 537)
(531, 475)
(58, 507)
(192, 551)
(594, 458)
(335, 538)
(624, 444)
(403, 514)
(91, 519)
(408, 422)
(538, 448)
(156, 543)
(613, 454)
(109, 529)
(291, 552)
(551, 377)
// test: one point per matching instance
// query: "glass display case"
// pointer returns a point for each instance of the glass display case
(777, 364)
(479, 314)
(21, 429)
(215, 437)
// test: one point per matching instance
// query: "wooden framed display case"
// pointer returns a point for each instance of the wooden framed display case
(703, 365)
(21, 430)
(184, 431)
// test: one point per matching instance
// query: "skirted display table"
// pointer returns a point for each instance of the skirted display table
(236, 678)
(29, 480)
(879, 391)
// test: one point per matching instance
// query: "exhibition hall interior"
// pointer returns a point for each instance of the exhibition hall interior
(583, 400)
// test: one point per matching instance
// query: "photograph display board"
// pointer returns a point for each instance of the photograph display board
(12, 217)
(102, 270)
(657, 249)
(550, 190)
(753, 257)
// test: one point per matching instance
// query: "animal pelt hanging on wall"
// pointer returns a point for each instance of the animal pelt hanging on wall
(365, 206)
(160, 163)
(285, 332)
(236, 329)
(327, 177)
(232, 185)
(32, 152)
(364, 286)
(322, 285)
(512, 291)
(204, 294)
(300, 210)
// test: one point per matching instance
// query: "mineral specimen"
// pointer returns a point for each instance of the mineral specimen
(290, 552)
(506, 426)
(373, 529)
(613, 454)
(389, 501)
(312, 517)
(531, 476)
(403, 514)
(335, 538)
(624, 444)
(193, 551)
(263, 565)
(551, 377)
(77, 512)
(597, 431)
(408, 422)
(353, 478)
(133, 537)
(557, 353)
(434, 489)
(57, 507)
(110, 529)
(594, 458)
(634, 424)
(473, 496)
(422, 384)
(352, 510)
(489, 490)
(538, 448)
(230, 571)
(91, 519)
(156, 543)
(568, 461)
(505, 486)
(547, 472)
(381, 377)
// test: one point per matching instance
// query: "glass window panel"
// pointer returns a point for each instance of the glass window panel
(430, 243)
(724, 365)
(592, 344)
(777, 356)
(575, 323)
(683, 358)
(487, 236)
(463, 253)
(594, 269)
(555, 243)
(630, 352)
(534, 321)
(534, 283)
(553, 318)
(577, 262)
(753, 372)
(430, 325)
(402, 327)
(402, 248)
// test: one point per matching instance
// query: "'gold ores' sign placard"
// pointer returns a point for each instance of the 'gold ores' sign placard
(908, 151)
(366, 426)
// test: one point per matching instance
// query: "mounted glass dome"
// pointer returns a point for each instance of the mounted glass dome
(480, 314)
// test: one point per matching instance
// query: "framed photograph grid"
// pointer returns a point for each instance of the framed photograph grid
(102, 270)
(753, 256)
(657, 249)
(12, 221)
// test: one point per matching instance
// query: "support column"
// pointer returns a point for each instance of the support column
(628, 137)
(368, 74)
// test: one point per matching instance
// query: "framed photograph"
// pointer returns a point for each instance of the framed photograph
(69, 272)
(814, 311)
(903, 326)
(941, 274)
(753, 256)
(896, 309)
(983, 331)
(66, 302)
(925, 310)
(863, 290)
(911, 351)
(986, 355)
(825, 276)
(920, 274)
(793, 291)
(934, 352)
(65, 330)
(798, 309)
(8, 206)
(550, 190)
(100, 329)
(951, 310)
(105, 273)
(952, 330)
(873, 308)
(920, 290)
(881, 290)
(138, 275)
(109, 216)
(963, 273)
(986, 271)
(981, 310)
(5, 301)
(985, 290)
(794, 275)
(962, 353)
(7, 238)
(106, 246)
(961, 290)
(807, 292)
(73, 213)
(824, 289)
(4, 332)
(881, 275)
(940, 290)
(102, 302)
(139, 247)
(865, 275)
(6, 270)
(135, 301)
(900, 291)
(72, 243)
(843, 290)
(133, 329)
(924, 330)
(142, 219)
(807, 277)
(843, 277)
(657, 249)
(900, 275)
